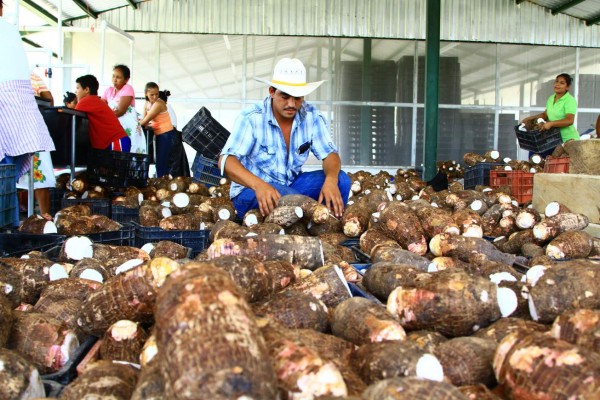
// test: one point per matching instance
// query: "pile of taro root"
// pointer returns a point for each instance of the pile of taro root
(474, 297)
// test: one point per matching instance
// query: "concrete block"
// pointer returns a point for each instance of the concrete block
(581, 193)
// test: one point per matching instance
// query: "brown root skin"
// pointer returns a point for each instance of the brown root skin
(308, 251)
(43, 340)
(198, 358)
(570, 244)
(285, 215)
(468, 360)
(32, 276)
(426, 340)
(412, 388)
(38, 225)
(20, 378)
(361, 321)
(249, 274)
(295, 310)
(522, 366)
(123, 341)
(6, 319)
(564, 286)
(505, 326)
(384, 276)
(355, 219)
(372, 237)
(579, 327)
(118, 379)
(451, 302)
(554, 226)
(170, 249)
(403, 225)
(326, 284)
(226, 229)
(464, 247)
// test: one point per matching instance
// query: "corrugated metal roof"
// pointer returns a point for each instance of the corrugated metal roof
(506, 21)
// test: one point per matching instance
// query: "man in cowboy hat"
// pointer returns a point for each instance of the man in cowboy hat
(270, 143)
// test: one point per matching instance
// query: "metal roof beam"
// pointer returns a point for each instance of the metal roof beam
(37, 46)
(593, 21)
(36, 9)
(565, 6)
(86, 9)
(132, 4)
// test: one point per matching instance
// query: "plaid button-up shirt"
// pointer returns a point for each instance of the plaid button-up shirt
(257, 142)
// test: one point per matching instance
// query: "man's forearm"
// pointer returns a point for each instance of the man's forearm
(332, 166)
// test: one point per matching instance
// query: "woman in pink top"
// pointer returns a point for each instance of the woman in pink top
(121, 98)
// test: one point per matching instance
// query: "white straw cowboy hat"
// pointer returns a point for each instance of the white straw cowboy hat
(289, 76)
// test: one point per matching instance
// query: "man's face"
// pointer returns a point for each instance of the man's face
(285, 105)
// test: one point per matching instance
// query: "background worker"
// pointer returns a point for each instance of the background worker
(271, 141)
(560, 111)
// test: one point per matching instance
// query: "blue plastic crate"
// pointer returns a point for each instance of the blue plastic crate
(354, 245)
(205, 170)
(196, 240)
(8, 194)
(358, 291)
(118, 169)
(124, 215)
(122, 237)
(479, 174)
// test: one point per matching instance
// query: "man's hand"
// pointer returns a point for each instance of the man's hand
(546, 126)
(267, 197)
(330, 193)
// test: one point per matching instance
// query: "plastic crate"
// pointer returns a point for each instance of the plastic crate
(8, 194)
(520, 183)
(53, 389)
(479, 174)
(556, 165)
(124, 215)
(537, 141)
(357, 290)
(68, 372)
(98, 206)
(118, 169)
(205, 134)
(196, 240)
(16, 244)
(205, 170)
(354, 245)
(122, 237)
(56, 196)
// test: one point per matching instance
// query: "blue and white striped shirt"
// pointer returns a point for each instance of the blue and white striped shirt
(257, 142)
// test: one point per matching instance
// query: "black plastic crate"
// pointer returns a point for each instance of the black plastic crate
(8, 194)
(122, 237)
(68, 372)
(124, 215)
(196, 240)
(98, 206)
(118, 169)
(16, 244)
(56, 197)
(479, 174)
(538, 141)
(205, 134)
(205, 170)
(53, 389)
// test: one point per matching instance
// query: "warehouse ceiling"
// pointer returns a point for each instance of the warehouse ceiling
(586, 10)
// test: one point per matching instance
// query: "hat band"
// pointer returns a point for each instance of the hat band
(288, 83)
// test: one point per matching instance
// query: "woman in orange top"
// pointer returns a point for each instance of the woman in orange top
(156, 115)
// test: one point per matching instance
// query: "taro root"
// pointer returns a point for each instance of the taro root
(20, 379)
(539, 366)
(103, 379)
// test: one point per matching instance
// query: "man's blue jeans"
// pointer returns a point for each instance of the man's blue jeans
(307, 183)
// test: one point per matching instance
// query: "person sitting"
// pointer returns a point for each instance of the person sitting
(70, 100)
(270, 143)
(106, 133)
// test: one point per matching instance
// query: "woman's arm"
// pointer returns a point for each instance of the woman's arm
(124, 104)
(560, 123)
(542, 115)
(157, 108)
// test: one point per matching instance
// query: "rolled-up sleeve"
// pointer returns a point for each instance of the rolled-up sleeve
(322, 143)
(241, 140)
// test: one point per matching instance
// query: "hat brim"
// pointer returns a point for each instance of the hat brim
(296, 91)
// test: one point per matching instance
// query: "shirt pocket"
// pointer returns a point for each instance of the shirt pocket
(265, 158)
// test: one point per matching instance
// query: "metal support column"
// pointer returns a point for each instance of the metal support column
(365, 113)
(432, 68)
